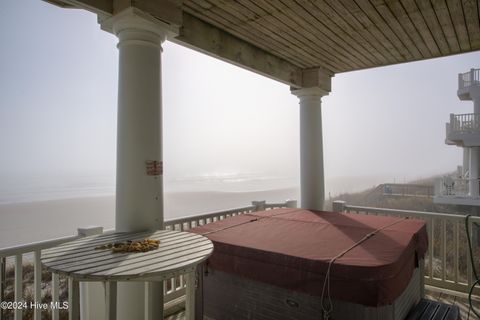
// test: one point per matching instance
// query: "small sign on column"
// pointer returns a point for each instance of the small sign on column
(154, 167)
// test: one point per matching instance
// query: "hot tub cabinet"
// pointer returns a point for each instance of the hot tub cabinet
(273, 264)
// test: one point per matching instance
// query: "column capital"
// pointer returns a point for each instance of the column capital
(316, 82)
(309, 92)
(133, 20)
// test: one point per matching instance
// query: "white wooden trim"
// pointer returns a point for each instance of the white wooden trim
(73, 299)
(37, 283)
(18, 286)
(55, 295)
(190, 296)
(111, 300)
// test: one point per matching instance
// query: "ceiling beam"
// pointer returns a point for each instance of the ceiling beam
(204, 37)
(102, 7)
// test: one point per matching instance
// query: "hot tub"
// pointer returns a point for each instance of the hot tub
(273, 264)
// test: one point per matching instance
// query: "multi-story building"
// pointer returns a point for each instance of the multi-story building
(463, 130)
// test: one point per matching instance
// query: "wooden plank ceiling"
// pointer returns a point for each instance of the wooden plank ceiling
(346, 35)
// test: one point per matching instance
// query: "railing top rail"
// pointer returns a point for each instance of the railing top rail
(34, 246)
(413, 185)
(420, 214)
(465, 114)
(468, 72)
(44, 244)
(208, 215)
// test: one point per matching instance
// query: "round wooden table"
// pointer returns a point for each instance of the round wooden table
(178, 253)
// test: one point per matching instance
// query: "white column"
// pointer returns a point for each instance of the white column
(475, 95)
(139, 190)
(466, 160)
(139, 194)
(474, 171)
(312, 181)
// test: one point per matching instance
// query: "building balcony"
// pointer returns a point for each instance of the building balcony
(466, 82)
(456, 191)
(463, 130)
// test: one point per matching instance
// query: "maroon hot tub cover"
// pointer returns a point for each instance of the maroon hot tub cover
(291, 248)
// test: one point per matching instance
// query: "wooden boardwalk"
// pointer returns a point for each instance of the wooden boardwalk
(453, 298)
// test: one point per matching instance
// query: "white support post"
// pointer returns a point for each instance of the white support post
(190, 296)
(466, 160)
(55, 295)
(139, 182)
(259, 205)
(3, 269)
(474, 169)
(37, 283)
(18, 286)
(154, 300)
(92, 294)
(291, 203)
(110, 300)
(139, 189)
(73, 299)
(339, 206)
(312, 180)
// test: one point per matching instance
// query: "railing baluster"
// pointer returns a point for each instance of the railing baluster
(37, 283)
(181, 281)
(73, 299)
(3, 269)
(111, 300)
(18, 285)
(456, 242)
(444, 249)
(469, 264)
(430, 225)
(55, 296)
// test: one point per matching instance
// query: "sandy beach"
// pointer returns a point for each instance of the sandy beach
(22, 223)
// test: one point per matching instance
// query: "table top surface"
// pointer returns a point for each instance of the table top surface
(177, 253)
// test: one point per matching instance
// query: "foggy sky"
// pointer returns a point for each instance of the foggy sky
(58, 88)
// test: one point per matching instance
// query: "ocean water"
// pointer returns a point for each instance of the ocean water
(39, 208)
(43, 188)
(16, 189)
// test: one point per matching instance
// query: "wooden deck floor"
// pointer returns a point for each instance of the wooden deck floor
(452, 298)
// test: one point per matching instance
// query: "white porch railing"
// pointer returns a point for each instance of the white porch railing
(469, 78)
(447, 262)
(15, 256)
(464, 123)
(449, 186)
(454, 187)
